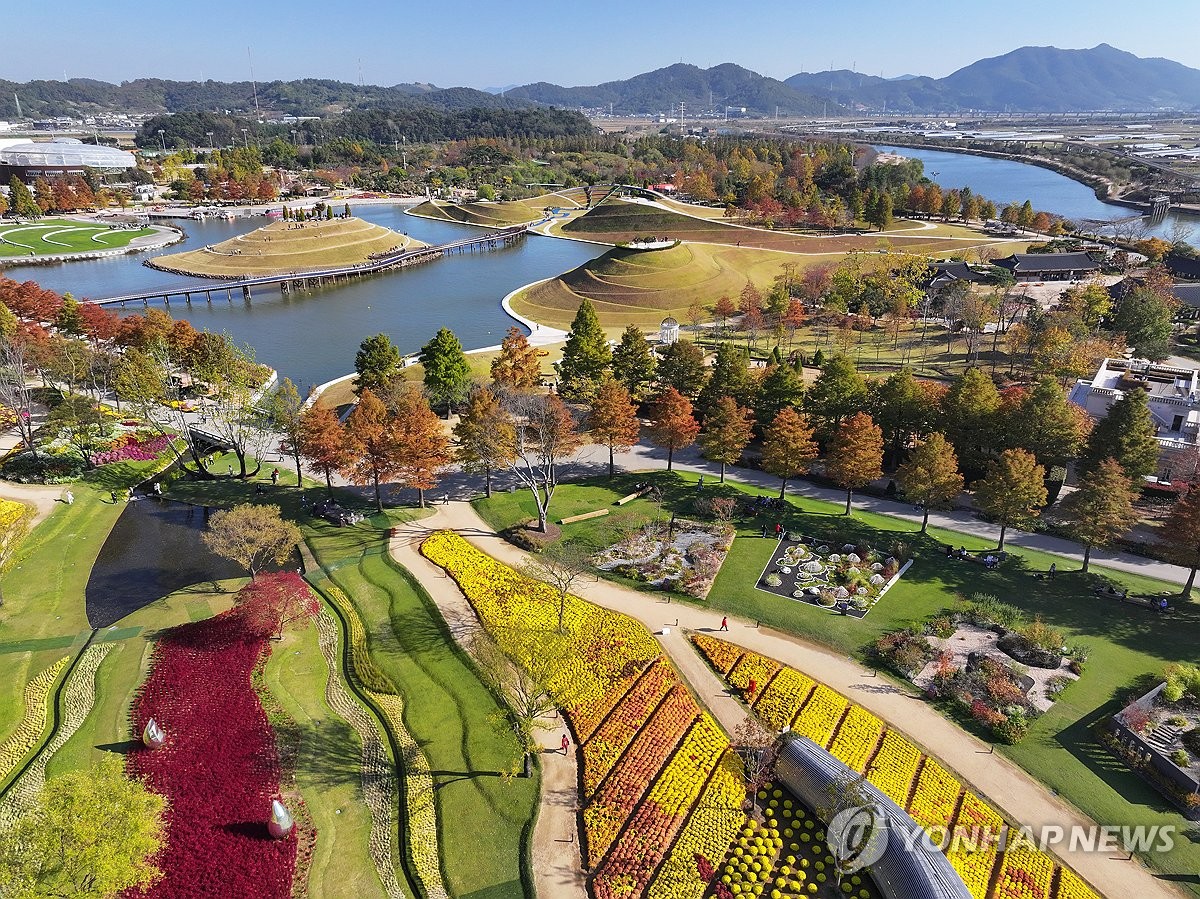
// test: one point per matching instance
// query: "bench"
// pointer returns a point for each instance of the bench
(571, 519)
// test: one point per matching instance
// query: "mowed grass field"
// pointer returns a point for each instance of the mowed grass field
(641, 287)
(289, 246)
(618, 221)
(52, 236)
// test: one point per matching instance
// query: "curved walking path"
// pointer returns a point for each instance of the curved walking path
(1018, 796)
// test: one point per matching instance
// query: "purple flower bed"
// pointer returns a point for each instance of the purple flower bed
(132, 449)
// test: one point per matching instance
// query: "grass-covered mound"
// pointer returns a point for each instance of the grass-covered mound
(288, 247)
(642, 287)
(494, 215)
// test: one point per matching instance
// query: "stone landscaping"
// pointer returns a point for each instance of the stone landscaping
(848, 579)
(677, 555)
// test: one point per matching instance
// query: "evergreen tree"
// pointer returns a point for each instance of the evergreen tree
(1144, 317)
(586, 355)
(377, 363)
(673, 426)
(20, 200)
(633, 363)
(880, 212)
(681, 367)
(1126, 434)
(969, 419)
(1013, 491)
(518, 366)
(904, 408)
(728, 427)
(729, 376)
(612, 419)
(788, 446)
(930, 476)
(1181, 536)
(855, 454)
(781, 387)
(485, 434)
(447, 372)
(838, 392)
(1101, 509)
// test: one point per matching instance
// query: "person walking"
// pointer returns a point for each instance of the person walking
(68, 497)
(566, 744)
(724, 623)
(275, 477)
(1053, 570)
(778, 531)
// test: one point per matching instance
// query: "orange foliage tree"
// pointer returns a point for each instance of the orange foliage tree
(855, 456)
(673, 425)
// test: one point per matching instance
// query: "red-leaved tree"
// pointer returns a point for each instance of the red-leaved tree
(275, 601)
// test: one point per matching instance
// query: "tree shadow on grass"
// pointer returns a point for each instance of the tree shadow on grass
(122, 747)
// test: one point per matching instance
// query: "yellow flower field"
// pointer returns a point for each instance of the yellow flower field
(894, 767)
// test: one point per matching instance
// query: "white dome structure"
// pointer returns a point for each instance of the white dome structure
(61, 156)
(668, 331)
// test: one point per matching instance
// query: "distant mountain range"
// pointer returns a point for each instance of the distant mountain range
(1029, 79)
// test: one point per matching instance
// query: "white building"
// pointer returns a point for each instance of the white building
(668, 332)
(1173, 395)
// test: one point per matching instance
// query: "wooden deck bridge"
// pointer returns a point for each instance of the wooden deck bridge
(289, 281)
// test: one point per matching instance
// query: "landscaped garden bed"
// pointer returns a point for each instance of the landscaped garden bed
(675, 555)
(847, 579)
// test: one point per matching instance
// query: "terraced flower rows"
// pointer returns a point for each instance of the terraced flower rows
(33, 722)
(660, 791)
(933, 796)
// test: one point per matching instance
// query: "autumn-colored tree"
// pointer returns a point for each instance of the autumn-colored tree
(518, 366)
(485, 435)
(322, 441)
(673, 425)
(788, 446)
(728, 428)
(275, 601)
(371, 452)
(1101, 509)
(253, 536)
(546, 434)
(612, 419)
(1181, 536)
(1013, 491)
(855, 454)
(930, 476)
(422, 448)
(724, 309)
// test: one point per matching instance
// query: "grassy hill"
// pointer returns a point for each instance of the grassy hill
(495, 215)
(642, 287)
(288, 247)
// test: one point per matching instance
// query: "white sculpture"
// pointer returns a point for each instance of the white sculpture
(153, 735)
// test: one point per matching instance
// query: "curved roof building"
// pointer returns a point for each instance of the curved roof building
(61, 156)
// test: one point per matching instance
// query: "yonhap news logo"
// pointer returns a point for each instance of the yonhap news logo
(857, 837)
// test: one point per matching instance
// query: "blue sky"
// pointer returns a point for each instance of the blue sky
(491, 44)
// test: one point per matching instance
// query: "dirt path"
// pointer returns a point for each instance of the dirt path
(1013, 792)
(43, 499)
(557, 864)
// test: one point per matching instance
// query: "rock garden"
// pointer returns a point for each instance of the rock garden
(849, 578)
(679, 554)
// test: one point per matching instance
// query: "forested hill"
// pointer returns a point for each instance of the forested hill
(309, 96)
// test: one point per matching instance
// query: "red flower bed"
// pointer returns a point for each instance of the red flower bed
(605, 746)
(219, 768)
(621, 792)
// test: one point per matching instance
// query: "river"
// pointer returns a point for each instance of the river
(1003, 181)
(311, 336)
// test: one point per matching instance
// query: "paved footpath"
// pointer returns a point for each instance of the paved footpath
(556, 863)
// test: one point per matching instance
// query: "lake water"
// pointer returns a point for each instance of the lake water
(311, 336)
(1003, 181)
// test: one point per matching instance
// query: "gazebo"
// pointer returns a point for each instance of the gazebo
(668, 331)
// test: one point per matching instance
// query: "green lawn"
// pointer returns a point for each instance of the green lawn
(53, 236)
(1128, 645)
(485, 820)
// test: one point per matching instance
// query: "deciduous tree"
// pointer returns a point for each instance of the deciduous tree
(969, 419)
(90, 834)
(286, 410)
(728, 428)
(546, 434)
(276, 601)
(1101, 509)
(788, 446)
(564, 565)
(930, 476)
(855, 454)
(724, 308)
(1048, 425)
(781, 387)
(1181, 536)
(612, 419)
(485, 435)
(322, 441)
(586, 355)
(518, 366)
(1013, 491)
(673, 425)
(447, 372)
(422, 449)
(253, 536)
(371, 452)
